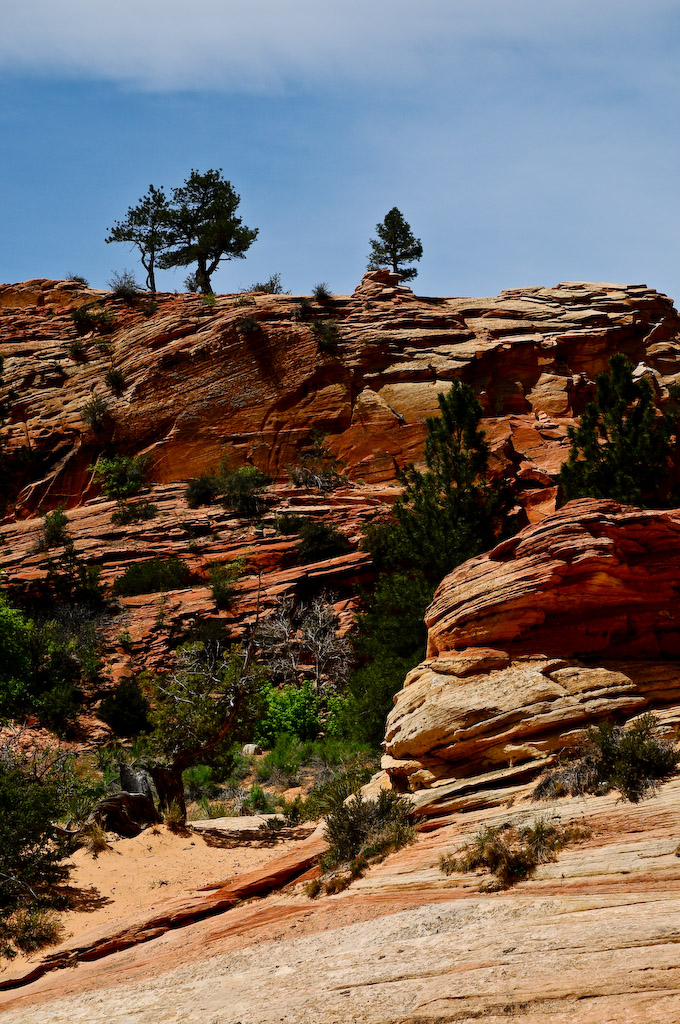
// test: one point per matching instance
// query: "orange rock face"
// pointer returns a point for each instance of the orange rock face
(572, 621)
(246, 379)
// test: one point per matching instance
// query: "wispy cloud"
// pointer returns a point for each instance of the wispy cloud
(268, 45)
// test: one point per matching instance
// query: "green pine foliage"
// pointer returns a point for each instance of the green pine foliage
(395, 246)
(622, 448)
(121, 476)
(152, 577)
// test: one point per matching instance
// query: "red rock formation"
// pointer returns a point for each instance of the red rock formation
(573, 620)
(199, 386)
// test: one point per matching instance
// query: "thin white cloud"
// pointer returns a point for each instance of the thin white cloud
(267, 45)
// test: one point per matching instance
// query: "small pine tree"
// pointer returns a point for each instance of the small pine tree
(395, 245)
(621, 448)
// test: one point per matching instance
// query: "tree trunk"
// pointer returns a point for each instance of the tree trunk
(203, 279)
(127, 814)
(169, 786)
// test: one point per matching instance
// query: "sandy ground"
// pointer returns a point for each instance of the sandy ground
(592, 939)
(141, 874)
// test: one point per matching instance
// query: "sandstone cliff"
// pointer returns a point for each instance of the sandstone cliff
(573, 620)
(245, 378)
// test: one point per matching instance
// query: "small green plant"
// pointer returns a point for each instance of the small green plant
(77, 350)
(327, 335)
(272, 286)
(320, 540)
(244, 300)
(635, 761)
(152, 577)
(174, 818)
(34, 928)
(249, 327)
(222, 579)
(367, 828)
(149, 307)
(124, 286)
(121, 476)
(321, 292)
(93, 317)
(78, 279)
(95, 414)
(318, 468)
(93, 838)
(242, 490)
(287, 523)
(54, 532)
(127, 513)
(126, 709)
(203, 489)
(313, 888)
(208, 304)
(115, 380)
(512, 853)
(305, 310)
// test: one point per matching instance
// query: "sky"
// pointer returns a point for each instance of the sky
(526, 142)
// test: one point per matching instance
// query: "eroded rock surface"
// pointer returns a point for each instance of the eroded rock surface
(572, 621)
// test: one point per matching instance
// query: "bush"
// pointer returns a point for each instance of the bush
(77, 350)
(121, 476)
(272, 286)
(134, 512)
(327, 335)
(287, 523)
(152, 577)
(367, 828)
(115, 379)
(126, 709)
(95, 414)
(222, 579)
(78, 279)
(512, 854)
(203, 490)
(634, 761)
(54, 532)
(293, 710)
(305, 310)
(318, 468)
(319, 540)
(33, 928)
(199, 782)
(249, 327)
(241, 489)
(93, 317)
(321, 292)
(124, 286)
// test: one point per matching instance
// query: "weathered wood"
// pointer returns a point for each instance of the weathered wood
(127, 814)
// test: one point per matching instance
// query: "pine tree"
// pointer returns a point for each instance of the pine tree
(145, 226)
(621, 449)
(396, 245)
(203, 227)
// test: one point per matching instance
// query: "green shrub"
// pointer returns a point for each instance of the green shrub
(512, 854)
(321, 292)
(121, 476)
(259, 801)
(78, 279)
(93, 317)
(126, 709)
(319, 540)
(242, 490)
(305, 310)
(293, 710)
(133, 512)
(327, 335)
(635, 761)
(115, 379)
(367, 828)
(54, 532)
(124, 286)
(249, 327)
(34, 928)
(95, 414)
(199, 782)
(222, 579)
(77, 350)
(152, 577)
(286, 523)
(150, 307)
(203, 490)
(272, 286)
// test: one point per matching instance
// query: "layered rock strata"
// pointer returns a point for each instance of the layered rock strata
(247, 379)
(572, 621)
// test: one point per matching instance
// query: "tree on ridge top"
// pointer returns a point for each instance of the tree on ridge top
(395, 245)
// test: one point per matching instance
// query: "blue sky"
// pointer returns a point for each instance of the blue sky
(526, 142)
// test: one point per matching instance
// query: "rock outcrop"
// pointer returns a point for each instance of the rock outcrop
(245, 378)
(570, 622)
